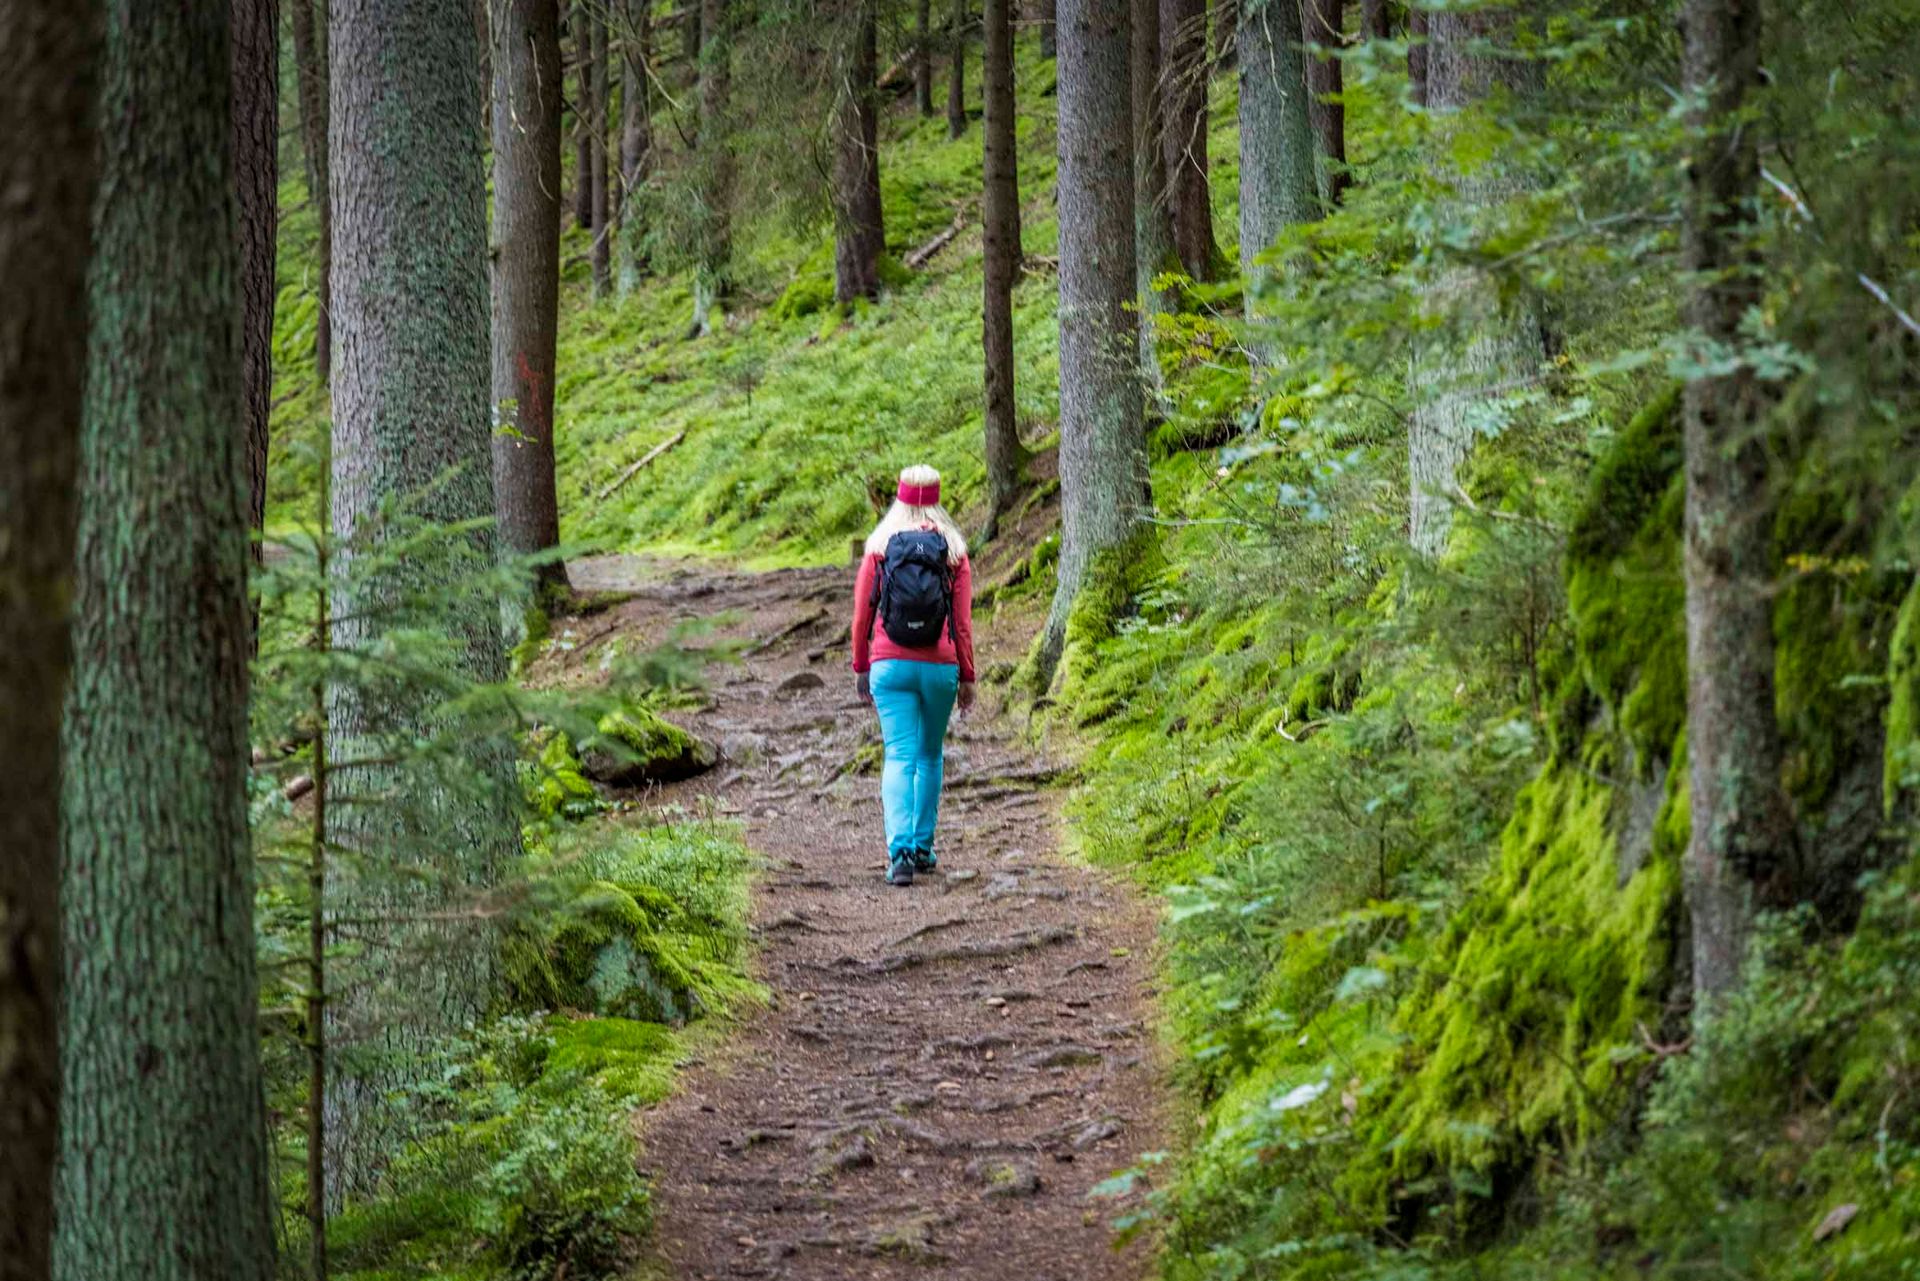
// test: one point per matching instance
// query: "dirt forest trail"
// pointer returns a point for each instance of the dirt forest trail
(943, 1071)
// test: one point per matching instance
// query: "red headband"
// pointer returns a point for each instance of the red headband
(918, 495)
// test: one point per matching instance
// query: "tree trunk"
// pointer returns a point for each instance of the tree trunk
(1321, 20)
(859, 234)
(526, 279)
(163, 1169)
(1741, 848)
(1276, 134)
(580, 34)
(602, 255)
(1183, 57)
(1484, 342)
(1226, 34)
(310, 83)
(636, 144)
(256, 171)
(410, 424)
(957, 83)
(1376, 23)
(48, 58)
(923, 56)
(1417, 33)
(1049, 30)
(1001, 249)
(1103, 460)
(1153, 250)
(714, 214)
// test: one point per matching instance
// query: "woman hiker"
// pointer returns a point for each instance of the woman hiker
(913, 657)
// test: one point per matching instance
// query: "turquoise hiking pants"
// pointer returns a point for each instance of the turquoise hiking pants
(914, 701)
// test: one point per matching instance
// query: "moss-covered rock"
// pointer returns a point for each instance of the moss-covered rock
(633, 746)
(615, 949)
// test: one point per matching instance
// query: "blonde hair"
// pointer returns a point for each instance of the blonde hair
(909, 516)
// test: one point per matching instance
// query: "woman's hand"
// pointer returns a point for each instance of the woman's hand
(966, 696)
(863, 687)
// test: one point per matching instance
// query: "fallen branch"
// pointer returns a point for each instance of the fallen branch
(924, 254)
(799, 624)
(634, 470)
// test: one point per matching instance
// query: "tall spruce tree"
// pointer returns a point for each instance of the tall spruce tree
(1740, 849)
(601, 253)
(526, 277)
(923, 56)
(256, 167)
(1000, 215)
(580, 40)
(1277, 186)
(636, 143)
(310, 93)
(713, 216)
(410, 425)
(49, 54)
(1153, 248)
(957, 70)
(1322, 21)
(1103, 458)
(859, 235)
(163, 1163)
(1185, 69)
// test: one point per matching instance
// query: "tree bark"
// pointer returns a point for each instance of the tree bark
(526, 279)
(1153, 248)
(1103, 460)
(1322, 21)
(256, 169)
(602, 255)
(1183, 56)
(957, 82)
(1376, 23)
(714, 215)
(636, 144)
(923, 56)
(859, 233)
(310, 83)
(1485, 341)
(49, 52)
(580, 34)
(163, 1168)
(1417, 32)
(1049, 30)
(1741, 848)
(1226, 33)
(1276, 134)
(410, 424)
(1000, 213)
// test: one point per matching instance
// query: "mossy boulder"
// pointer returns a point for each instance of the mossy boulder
(634, 746)
(620, 949)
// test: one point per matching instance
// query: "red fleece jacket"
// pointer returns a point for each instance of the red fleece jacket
(871, 644)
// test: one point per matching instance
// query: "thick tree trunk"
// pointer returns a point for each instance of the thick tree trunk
(310, 83)
(580, 35)
(602, 255)
(1321, 20)
(1741, 848)
(163, 1168)
(1049, 29)
(1226, 33)
(1186, 67)
(714, 215)
(1103, 460)
(1000, 215)
(1277, 187)
(636, 144)
(1486, 345)
(1376, 23)
(957, 80)
(1153, 249)
(49, 51)
(1417, 33)
(410, 423)
(526, 278)
(923, 56)
(859, 234)
(256, 171)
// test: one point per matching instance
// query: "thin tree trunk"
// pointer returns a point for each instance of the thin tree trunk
(1006, 456)
(859, 234)
(580, 34)
(310, 82)
(163, 1169)
(636, 143)
(1103, 461)
(410, 424)
(1153, 249)
(1049, 30)
(1376, 23)
(316, 1003)
(1484, 340)
(1322, 21)
(256, 170)
(49, 53)
(602, 255)
(526, 280)
(1276, 134)
(923, 56)
(1183, 57)
(1741, 849)
(957, 81)
(714, 215)
(1417, 32)
(1226, 33)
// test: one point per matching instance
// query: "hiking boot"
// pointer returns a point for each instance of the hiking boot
(900, 868)
(924, 861)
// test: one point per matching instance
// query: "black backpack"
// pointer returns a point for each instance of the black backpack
(914, 597)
